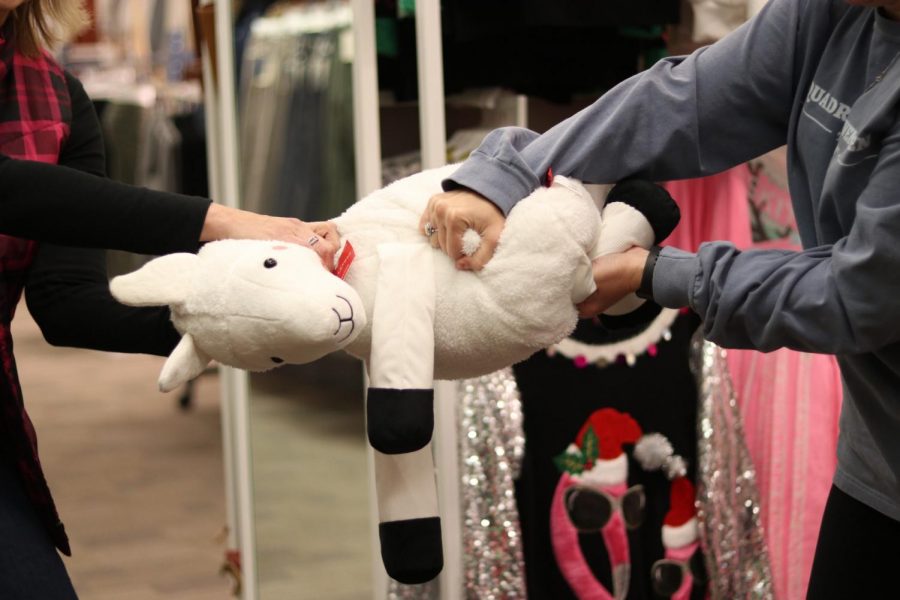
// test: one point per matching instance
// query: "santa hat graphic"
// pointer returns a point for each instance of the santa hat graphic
(609, 429)
(680, 525)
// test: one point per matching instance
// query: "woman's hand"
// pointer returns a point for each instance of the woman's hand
(223, 222)
(448, 216)
(616, 276)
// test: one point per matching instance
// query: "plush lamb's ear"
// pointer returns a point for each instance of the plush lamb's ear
(186, 362)
(163, 280)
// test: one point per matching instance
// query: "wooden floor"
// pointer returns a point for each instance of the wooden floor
(139, 483)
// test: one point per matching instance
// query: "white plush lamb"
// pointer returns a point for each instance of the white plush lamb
(405, 310)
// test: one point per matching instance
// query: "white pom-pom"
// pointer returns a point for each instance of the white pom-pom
(471, 241)
(676, 467)
(652, 451)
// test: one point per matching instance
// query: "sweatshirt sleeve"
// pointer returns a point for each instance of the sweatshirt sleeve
(683, 117)
(835, 299)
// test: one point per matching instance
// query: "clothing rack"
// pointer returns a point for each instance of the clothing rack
(221, 115)
(367, 149)
(306, 18)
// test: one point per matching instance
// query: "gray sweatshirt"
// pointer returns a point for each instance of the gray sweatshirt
(820, 76)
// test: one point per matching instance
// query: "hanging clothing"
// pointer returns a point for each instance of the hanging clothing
(159, 156)
(727, 495)
(191, 126)
(562, 398)
(264, 95)
(789, 401)
(714, 19)
(122, 124)
(249, 12)
(532, 47)
(296, 115)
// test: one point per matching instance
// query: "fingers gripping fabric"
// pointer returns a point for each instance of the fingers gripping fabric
(400, 413)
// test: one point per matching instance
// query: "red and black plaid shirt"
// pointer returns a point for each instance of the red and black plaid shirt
(35, 117)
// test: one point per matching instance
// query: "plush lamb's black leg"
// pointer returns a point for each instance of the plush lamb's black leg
(399, 421)
(651, 200)
(409, 528)
(400, 413)
(647, 210)
(408, 550)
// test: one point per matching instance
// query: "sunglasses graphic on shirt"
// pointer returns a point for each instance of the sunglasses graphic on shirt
(591, 509)
(667, 574)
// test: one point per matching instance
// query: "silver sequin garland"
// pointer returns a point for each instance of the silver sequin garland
(491, 446)
(728, 502)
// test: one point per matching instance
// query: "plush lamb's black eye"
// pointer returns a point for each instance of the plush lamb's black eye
(277, 360)
(269, 263)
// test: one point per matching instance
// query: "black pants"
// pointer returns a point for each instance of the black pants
(858, 554)
(30, 567)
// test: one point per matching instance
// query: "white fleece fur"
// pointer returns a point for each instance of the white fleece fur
(519, 303)
(247, 315)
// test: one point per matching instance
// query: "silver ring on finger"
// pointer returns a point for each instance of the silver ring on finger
(313, 241)
(430, 229)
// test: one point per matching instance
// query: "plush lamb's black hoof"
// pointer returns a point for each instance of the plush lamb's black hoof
(399, 421)
(411, 550)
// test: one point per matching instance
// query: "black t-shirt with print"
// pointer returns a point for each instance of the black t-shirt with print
(659, 392)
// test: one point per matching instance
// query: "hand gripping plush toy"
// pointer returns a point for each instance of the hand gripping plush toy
(405, 310)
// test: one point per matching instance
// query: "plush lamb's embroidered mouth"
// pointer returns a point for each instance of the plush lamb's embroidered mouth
(342, 320)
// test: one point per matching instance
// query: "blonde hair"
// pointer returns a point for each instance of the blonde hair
(41, 23)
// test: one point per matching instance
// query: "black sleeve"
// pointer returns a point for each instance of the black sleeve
(67, 290)
(73, 204)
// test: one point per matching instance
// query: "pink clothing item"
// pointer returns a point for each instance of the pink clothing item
(683, 555)
(712, 208)
(616, 539)
(789, 401)
(568, 553)
(790, 404)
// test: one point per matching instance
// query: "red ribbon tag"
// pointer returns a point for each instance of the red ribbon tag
(345, 260)
(549, 176)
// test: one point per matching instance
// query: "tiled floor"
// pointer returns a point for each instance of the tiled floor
(139, 482)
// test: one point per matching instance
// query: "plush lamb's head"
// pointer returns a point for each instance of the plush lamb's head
(254, 304)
